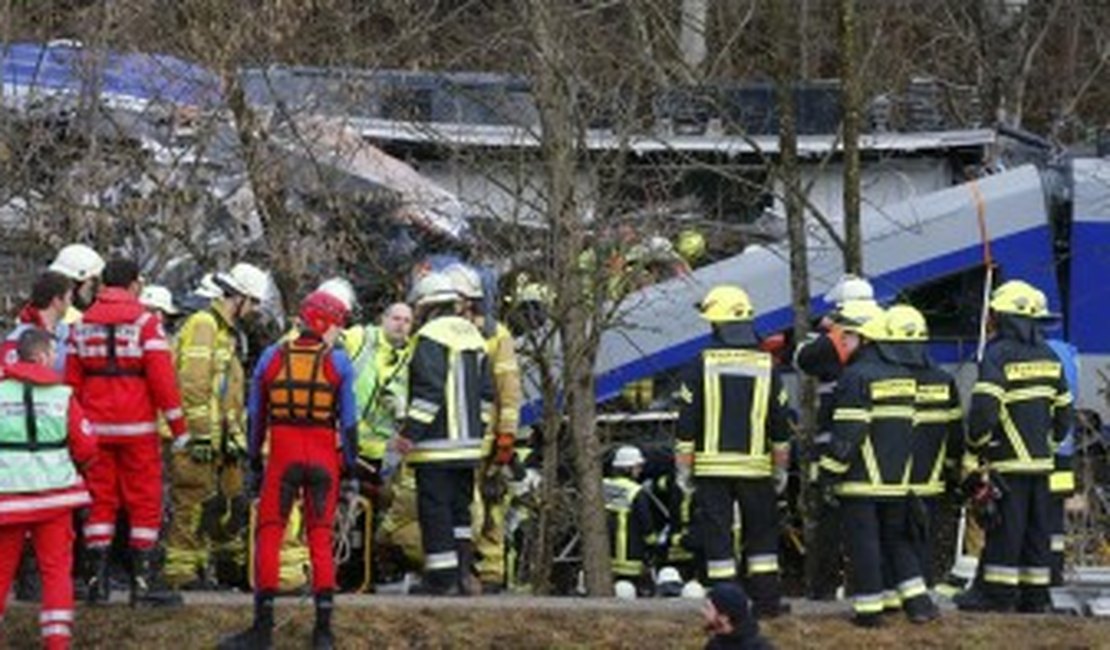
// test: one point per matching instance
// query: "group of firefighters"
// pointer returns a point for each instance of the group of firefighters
(95, 397)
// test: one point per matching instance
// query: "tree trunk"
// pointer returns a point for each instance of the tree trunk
(850, 108)
(784, 37)
(556, 100)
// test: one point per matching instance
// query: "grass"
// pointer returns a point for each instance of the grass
(404, 627)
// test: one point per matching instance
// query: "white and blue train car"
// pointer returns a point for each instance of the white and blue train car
(928, 250)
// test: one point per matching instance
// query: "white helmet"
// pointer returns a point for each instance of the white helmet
(624, 590)
(246, 279)
(848, 288)
(669, 583)
(432, 289)
(693, 589)
(466, 281)
(341, 289)
(627, 456)
(155, 296)
(78, 262)
(207, 288)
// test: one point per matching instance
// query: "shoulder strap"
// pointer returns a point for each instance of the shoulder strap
(29, 415)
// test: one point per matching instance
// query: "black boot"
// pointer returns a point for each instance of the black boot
(976, 599)
(868, 620)
(921, 609)
(322, 638)
(469, 584)
(96, 576)
(441, 582)
(147, 587)
(259, 636)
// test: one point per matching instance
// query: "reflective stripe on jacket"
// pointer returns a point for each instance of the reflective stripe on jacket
(211, 376)
(450, 393)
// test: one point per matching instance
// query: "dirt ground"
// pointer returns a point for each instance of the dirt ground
(427, 626)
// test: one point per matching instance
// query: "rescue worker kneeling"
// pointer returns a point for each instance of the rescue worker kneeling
(628, 505)
(867, 465)
(733, 436)
(302, 396)
(449, 403)
(1021, 409)
(44, 439)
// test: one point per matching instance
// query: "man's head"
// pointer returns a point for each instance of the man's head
(52, 294)
(726, 609)
(851, 319)
(397, 324)
(36, 346)
(244, 289)
(122, 273)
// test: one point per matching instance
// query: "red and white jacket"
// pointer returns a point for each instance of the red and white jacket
(24, 507)
(119, 365)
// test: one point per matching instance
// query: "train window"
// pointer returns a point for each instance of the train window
(952, 304)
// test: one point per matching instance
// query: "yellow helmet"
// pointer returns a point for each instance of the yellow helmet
(726, 303)
(855, 314)
(1021, 299)
(905, 323)
(691, 245)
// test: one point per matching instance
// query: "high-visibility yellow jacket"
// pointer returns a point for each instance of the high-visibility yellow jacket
(508, 395)
(211, 377)
(381, 384)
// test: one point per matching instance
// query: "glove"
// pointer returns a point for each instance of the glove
(201, 451)
(503, 448)
(181, 442)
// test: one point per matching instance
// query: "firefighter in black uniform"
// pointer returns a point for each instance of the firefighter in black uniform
(822, 356)
(449, 405)
(938, 431)
(732, 428)
(867, 467)
(628, 505)
(1021, 409)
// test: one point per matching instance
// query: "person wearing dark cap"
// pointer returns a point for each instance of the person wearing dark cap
(729, 620)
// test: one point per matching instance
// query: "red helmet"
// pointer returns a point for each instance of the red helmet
(320, 311)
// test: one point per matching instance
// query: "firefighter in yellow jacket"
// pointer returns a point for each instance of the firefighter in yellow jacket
(212, 386)
(492, 496)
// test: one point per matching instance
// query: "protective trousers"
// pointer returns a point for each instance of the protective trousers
(489, 538)
(189, 547)
(1058, 537)
(303, 463)
(877, 536)
(826, 552)
(126, 472)
(1016, 557)
(52, 540)
(443, 496)
(759, 524)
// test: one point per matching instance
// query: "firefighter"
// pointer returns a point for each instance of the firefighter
(492, 495)
(83, 266)
(51, 297)
(301, 401)
(449, 402)
(1062, 482)
(212, 381)
(1021, 408)
(120, 368)
(822, 356)
(44, 442)
(629, 510)
(733, 436)
(938, 432)
(866, 465)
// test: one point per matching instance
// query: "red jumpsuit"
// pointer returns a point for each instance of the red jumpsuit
(302, 396)
(120, 367)
(46, 518)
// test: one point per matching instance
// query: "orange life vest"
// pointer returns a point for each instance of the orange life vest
(300, 393)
